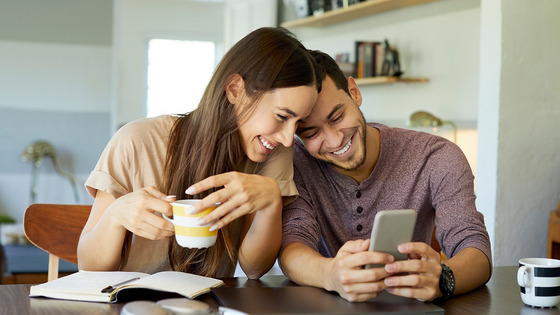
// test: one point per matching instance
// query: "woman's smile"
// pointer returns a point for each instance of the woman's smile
(267, 145)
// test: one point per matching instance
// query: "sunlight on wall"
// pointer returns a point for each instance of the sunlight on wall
(178, 72)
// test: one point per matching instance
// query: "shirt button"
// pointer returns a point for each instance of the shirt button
(359, 209)
(359, 227)
(358, 194)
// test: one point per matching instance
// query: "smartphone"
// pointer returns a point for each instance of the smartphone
(390, 229)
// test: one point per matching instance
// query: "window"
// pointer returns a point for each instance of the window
(178, 72)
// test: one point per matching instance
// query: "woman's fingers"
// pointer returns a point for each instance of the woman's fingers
(241, 194)
(210, 182)
(135, 212)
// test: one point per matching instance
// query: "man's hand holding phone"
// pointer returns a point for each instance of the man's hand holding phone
(347, 276)
(417, 267)
(357, 272)
(417, 277)
(388, 261)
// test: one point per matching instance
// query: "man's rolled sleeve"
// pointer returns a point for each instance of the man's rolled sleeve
(299, 220)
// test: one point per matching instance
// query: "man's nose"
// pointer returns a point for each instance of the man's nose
(332, 137)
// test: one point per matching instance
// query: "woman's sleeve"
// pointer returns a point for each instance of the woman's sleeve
(280, 167)
(111, 174)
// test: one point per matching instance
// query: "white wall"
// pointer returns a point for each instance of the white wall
(55, 73)
(489, 105)
(137, 21)
(528, 151)
(55, 77)
(243, 16)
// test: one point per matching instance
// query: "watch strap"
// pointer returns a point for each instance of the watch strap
(446, 282)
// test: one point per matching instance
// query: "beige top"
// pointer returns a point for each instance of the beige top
(134, 158)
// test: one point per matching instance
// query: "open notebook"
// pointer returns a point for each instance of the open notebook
(310, 300)
(111, 286)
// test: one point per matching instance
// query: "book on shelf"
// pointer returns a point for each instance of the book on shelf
(110, 286)
(367, 62)
(379, 58)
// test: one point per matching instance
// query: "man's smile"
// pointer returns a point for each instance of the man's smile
(343, 150)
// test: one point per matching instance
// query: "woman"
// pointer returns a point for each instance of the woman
(234, 149)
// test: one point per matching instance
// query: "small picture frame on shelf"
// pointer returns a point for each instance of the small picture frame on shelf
(319, 7)
(301, 8)
(343, 62)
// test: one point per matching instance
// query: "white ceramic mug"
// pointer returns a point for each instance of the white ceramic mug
(188, 233)
(539, 280)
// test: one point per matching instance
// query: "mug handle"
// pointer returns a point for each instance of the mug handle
(168, 218)
(521, 276)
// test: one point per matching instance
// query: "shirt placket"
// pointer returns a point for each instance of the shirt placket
(358, 213)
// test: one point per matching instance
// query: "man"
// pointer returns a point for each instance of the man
(346, 171)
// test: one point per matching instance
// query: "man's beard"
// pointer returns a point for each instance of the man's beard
(361, 161)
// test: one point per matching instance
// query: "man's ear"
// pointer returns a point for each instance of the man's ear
(354, 91)
(235, 89)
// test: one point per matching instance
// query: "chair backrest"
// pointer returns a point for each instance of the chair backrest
(56, 229)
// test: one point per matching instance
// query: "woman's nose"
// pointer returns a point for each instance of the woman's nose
(287, 135)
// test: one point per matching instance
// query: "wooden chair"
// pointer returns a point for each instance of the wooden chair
(56, 229)
(553, 247)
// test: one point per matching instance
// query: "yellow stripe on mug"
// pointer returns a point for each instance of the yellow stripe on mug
(181, 211)
(188, 232)
(194, 231)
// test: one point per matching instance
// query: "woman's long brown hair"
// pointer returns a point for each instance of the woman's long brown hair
(205, 142)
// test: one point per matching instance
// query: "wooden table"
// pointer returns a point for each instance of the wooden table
(500, 296)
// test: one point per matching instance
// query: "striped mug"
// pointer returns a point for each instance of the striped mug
(539, 281)
(188, 232)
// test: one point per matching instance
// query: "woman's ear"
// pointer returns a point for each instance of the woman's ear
(235, 89)
(354, 91)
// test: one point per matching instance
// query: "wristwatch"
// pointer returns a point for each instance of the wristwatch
(446, 282)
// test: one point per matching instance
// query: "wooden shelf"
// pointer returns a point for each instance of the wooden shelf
(354, 11)
(386, 80)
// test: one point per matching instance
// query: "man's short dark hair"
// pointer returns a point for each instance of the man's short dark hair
(328, 66)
